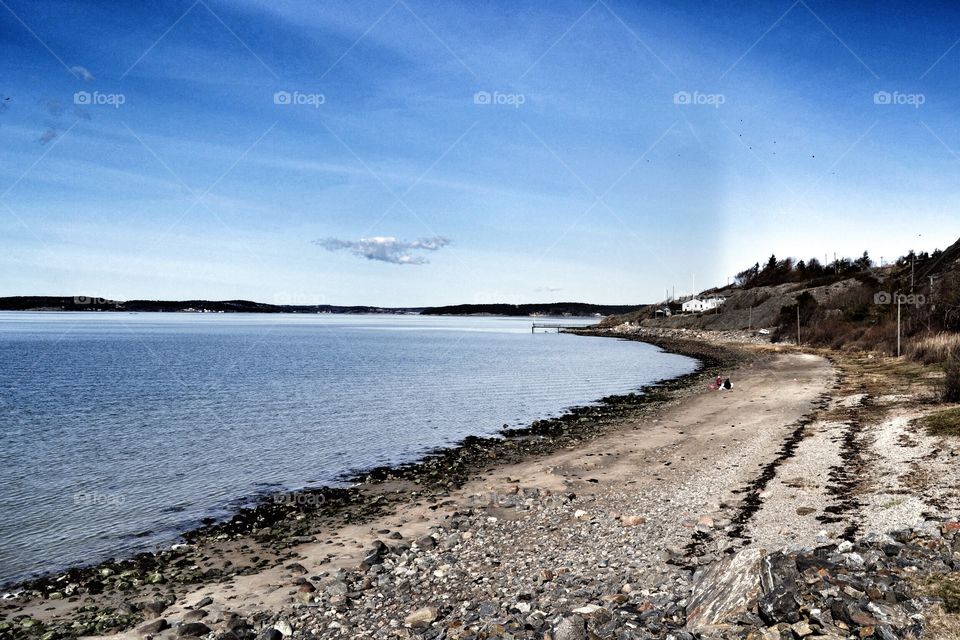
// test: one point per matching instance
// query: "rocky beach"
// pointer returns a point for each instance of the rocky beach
(806, 502)
(462, 320)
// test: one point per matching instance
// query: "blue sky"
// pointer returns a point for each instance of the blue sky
(405, 153)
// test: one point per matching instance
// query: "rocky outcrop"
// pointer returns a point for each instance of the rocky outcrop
(863, 589)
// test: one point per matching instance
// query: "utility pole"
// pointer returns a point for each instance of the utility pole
(798, 324)
(898, 324)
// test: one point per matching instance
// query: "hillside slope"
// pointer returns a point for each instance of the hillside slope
(854, 305)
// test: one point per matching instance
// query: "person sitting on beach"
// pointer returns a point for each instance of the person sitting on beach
(719, 381)
(727, 384)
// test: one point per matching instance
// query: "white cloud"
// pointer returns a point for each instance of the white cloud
(386, 248)
(82, 73)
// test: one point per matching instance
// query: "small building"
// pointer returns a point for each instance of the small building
(699, 305)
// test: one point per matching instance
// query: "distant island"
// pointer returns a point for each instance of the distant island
(89, 303)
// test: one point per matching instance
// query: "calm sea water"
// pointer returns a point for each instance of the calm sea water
(120, 430)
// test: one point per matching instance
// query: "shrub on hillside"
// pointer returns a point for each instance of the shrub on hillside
(828, 332)
(951, 384)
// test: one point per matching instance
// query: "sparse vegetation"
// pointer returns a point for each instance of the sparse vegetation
(890, 504)
(787, 270)
(945, 586)
(862, 312)
(942, 423)
(935, 348)
(942, 626)
(951, 382)
(943, 620)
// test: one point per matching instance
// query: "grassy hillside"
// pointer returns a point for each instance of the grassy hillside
(847, 304)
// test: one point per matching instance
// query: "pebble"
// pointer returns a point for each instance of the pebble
(153, 627)
(421, 617)
(570, 628)
(197, 629)
(284, 627)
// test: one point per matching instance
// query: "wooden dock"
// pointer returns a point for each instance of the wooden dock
(551, 325)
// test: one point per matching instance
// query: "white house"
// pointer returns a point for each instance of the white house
(699, 305)
(716, 301)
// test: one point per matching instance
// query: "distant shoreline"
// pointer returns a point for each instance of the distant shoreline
(93, 304)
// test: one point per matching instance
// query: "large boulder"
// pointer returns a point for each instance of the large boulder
(724, 591)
